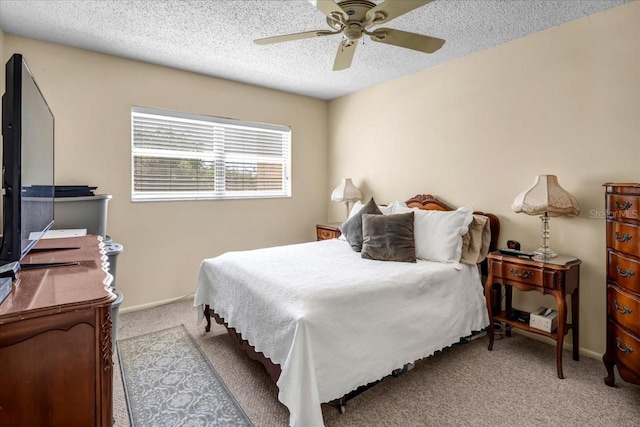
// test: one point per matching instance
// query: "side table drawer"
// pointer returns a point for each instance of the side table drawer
(325, 233)
(513, 272)
(624, 308)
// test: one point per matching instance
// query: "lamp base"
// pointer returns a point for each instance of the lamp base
(544, 253)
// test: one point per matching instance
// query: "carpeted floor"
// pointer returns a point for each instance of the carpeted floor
(466, 385)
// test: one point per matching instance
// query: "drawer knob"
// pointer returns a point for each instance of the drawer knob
(623, 310)
(624, 237)
(623, 206)
(624, 273)
(623, 348)
(525, 274)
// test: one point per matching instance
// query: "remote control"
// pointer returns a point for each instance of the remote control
(514, 252)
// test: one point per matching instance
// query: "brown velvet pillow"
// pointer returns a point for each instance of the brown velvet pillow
(352, 228)
(388, 237)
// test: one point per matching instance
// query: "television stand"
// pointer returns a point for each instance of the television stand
(56, 341)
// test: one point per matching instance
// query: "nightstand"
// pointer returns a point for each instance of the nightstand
(328, 231)
(558, 276)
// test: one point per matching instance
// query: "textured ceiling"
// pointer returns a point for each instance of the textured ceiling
(216, 37)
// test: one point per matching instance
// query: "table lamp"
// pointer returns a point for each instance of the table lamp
(346, 192)
(547, 199)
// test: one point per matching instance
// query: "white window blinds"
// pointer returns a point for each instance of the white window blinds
(179, 156)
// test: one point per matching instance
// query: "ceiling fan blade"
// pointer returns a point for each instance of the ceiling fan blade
(419, 42)
(295, 36)
(344, 57)
(331, 9)
(391, 9)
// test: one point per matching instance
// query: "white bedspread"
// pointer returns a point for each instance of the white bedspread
(335, 321)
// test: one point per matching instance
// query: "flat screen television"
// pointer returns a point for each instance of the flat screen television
(27, 163)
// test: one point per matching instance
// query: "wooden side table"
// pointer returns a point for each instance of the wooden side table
(558, 277)
(328, 231)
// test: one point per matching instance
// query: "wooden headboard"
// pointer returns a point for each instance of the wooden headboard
(428, 202)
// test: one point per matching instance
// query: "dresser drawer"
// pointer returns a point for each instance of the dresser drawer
(625, 346)
(623, 237)
(624, 308)
(623, 208)
(513, 272)
(624, 271)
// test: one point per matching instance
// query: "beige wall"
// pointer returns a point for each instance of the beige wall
(164, 242)
(476, 131)
(473, 132)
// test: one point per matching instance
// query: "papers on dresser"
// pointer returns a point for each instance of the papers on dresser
(57, 234)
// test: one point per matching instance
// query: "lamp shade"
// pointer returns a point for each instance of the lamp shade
(546, 197)
(346, 192)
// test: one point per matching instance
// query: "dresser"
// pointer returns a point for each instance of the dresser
(623, 282)
(55, 339)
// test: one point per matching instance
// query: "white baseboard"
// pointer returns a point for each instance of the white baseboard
(154, 304)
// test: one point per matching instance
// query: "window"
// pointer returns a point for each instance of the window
(179, 156)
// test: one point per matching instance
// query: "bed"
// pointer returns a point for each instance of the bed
(325, 321)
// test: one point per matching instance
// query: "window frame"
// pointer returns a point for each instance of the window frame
(218, 155)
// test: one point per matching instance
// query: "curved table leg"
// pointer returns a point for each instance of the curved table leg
(562, 321)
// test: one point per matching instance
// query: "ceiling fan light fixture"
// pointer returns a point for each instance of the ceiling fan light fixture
(353, 32)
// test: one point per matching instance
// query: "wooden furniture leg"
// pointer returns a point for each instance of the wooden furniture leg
(207, 315)
(488, 288)
(561, 304)
(508, 301)
(575, 322)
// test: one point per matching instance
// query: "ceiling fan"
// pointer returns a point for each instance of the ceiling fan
(355, 18)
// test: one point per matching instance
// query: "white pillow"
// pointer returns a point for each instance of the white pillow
(386, 210)
(396, 207)
(438, 234)
(355, 208)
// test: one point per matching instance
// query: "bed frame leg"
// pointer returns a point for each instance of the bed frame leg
(207, 316)
(341, 405)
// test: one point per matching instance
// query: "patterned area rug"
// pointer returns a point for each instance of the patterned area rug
(168, 381)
